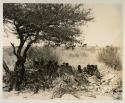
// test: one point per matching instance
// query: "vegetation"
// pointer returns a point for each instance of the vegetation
(45, 54)
(37, 65)
(110, 84)
(111, 57)
(33, 23)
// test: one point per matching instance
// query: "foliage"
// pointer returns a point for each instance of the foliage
(53, 22)
(45, 54)
(111, 57)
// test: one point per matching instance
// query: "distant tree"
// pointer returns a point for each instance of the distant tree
(47, 22)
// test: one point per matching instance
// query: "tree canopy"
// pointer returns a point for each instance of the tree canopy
(53, 22)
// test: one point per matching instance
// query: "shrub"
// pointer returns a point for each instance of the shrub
(111, 57)
(37, 74)
(44, 53)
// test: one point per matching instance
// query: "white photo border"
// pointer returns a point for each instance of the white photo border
(122, 2)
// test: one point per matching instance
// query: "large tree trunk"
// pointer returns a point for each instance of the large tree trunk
(19, 73)
(19, 69)
(17, 76)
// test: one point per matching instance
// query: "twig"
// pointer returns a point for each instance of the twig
(14, 49)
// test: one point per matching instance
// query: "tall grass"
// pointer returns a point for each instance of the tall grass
(45, 53)
(111, 57)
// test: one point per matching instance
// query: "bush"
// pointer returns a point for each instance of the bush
(111, 57)
(37, 70)
(44, 53)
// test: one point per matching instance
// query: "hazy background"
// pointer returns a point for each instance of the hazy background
(105, 30)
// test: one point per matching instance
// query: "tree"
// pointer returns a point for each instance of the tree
(32, 23)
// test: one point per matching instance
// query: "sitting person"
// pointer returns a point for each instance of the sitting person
(79, 69)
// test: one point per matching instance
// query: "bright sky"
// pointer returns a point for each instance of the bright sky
(106, 30)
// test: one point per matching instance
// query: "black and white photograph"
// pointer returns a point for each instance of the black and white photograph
(62, 51)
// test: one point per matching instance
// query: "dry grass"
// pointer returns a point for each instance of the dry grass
(111, 57)
(78, 56)
(45, 53)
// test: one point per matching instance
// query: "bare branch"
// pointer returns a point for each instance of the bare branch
(6, 68)
(14, 49)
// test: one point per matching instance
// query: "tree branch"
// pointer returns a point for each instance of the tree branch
(18, 31)
(30, 44)
(20, 47)
(6, 68)
(14, 49)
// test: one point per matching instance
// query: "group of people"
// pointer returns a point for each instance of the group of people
(90, 70)
(53, 69)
